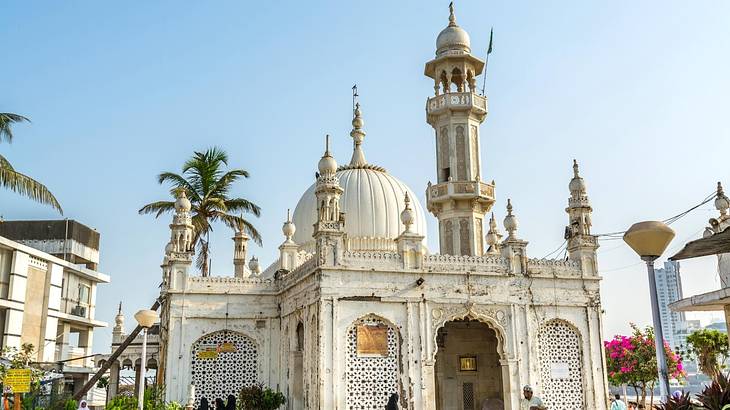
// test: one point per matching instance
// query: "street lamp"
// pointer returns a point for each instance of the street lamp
(146, 318)
(649, 239)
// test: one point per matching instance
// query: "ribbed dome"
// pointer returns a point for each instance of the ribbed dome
(372, 201)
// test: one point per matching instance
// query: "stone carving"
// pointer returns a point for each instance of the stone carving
(464, 237)
(460, 153)
(448, 242)
(453, 263)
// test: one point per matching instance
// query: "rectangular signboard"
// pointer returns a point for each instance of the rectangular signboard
(17, 381)
(372, 340)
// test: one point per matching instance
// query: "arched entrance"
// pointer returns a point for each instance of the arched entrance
(468, 371)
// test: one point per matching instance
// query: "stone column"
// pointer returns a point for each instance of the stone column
(113, 380)
(138, 382)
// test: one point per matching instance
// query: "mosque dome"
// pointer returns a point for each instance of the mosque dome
(372, 201)
(453, 38)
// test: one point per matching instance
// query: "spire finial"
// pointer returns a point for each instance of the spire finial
(575, 168)
(509, 206)
(120, 308)
(719, 189)
(407, 217)
(452, 17)
(288, 214)
(327, 145)
(358, 135)
(510, 222)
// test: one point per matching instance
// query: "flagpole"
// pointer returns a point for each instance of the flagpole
(484, 82)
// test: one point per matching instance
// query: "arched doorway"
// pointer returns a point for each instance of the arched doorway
(468, 371)
(222, 363)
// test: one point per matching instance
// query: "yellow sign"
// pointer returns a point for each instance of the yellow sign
(227, 347)
(207, 354)
(17, 380)
(372, 340)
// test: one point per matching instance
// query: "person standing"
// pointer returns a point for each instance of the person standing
(531, 402)
(392, 402)
(617, 403)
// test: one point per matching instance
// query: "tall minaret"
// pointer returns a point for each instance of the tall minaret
(582, 245)
(118, 331)
(329, 229)
(459, 199)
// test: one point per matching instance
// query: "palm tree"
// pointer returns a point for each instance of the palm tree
(207, 186)
(14, 180)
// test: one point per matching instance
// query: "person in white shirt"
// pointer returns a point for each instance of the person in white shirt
(618, 404)
(531, 402)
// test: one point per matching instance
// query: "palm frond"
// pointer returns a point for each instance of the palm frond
(158, 208)
(4, 163)
(27, 186)
(238, 205)
(7, 120)
(235, 222)
(178, 181)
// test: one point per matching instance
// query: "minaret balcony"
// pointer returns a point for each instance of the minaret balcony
(467, 101)
(460, 190)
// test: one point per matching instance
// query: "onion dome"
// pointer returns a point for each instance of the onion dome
(453, 39)
(371, 199)
(327, 164)
(182, 203)
(577, 185)
(722, 203)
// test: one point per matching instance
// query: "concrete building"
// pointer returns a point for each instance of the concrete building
(48, 286)
(356, 309)
(669, 290)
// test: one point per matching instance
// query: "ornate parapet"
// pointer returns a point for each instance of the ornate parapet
(223, 284)
(373, 259)
(458, 102)
(453, 263)
(554, 267)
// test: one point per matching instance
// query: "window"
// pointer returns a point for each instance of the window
(84, 293)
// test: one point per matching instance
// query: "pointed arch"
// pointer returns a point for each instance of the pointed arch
(560, 357)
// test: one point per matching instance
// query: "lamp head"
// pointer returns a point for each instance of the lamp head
(146, 318)
(649, 239)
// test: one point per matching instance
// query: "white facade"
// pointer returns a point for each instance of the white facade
(351, 314)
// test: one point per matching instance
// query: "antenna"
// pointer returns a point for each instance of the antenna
(354, 98)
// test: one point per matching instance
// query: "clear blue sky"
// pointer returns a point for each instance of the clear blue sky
(636, 91)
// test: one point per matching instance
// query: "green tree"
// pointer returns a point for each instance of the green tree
(710, 348)
(14, 180)
(208, 187)
(260, 397)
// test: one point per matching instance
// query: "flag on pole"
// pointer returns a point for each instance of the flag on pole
(491, 36)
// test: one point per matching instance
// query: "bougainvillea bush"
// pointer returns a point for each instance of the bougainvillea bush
(631, 360)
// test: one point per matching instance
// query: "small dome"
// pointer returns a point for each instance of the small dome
(372, 201)
(254, 266)
(577, 184)
(289, 229)
(453, 38)
(722, 203)
(327, 165)
(182, 203)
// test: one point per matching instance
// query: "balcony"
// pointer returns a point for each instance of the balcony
(457, 102)
(446, 191)
(73, 356)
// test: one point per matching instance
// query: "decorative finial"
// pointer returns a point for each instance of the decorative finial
(358, 135)
(510, 221)
(493, 236)
(327, 145)
(327, 165)
(288, 214)
(722, 203)
(575, 168)
(289, 228)
(407, 217)
(120, 308)
(452, 17)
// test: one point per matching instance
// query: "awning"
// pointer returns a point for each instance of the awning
(705, 302)
(712, 245)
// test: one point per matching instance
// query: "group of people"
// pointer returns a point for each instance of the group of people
(219, 404)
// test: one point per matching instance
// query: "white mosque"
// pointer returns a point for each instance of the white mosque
(357, 308)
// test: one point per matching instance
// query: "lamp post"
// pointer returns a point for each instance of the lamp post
(146, 318)
(650, 239)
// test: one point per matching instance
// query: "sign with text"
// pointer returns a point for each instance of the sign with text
(208, 351)
(372, 340)
(559, 370)
(17, 380)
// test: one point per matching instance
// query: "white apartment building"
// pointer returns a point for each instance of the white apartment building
(669, 290)
(48, 283)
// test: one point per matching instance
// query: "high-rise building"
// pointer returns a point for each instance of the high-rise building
(669, 290)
